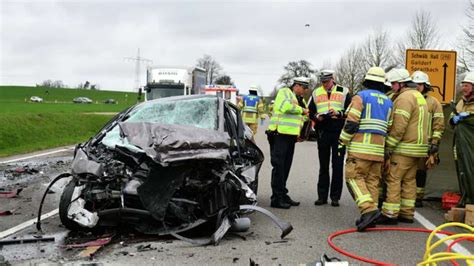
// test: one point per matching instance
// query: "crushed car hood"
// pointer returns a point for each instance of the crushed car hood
(167, 144)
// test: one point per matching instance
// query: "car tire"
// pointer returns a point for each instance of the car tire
(64, 203)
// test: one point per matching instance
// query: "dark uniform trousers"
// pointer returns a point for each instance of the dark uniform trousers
(328, 143)
(282, 148)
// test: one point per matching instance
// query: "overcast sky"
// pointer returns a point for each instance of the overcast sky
(75, 41)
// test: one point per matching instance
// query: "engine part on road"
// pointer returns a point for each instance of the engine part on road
(285, 227)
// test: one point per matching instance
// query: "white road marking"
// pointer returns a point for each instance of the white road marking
(37, 155)
(458, 248)
(26, 224)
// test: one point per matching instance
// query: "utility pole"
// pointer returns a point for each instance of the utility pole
(138, 61)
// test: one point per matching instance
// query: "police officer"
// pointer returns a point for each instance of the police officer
(435, 133)
(406, 143)
(252, 109)
(364, 134)
(285, 125)
(327, 107)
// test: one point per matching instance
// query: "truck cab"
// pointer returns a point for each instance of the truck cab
(174, 81)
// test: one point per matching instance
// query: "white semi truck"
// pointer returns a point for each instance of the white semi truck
(174, 81)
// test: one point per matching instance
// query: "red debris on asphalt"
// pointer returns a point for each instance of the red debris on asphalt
(5, 213)
(10, 194)
(98, 242)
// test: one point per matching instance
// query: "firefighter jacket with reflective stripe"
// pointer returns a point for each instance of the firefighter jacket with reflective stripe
(392, 95)
(287, 115)
(339, 99)
(436, 120)
(252, 106)
(408, 133)
(376, 113)
(366, 125)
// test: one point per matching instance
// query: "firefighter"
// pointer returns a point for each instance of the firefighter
(462, 121)
(364, 135)
(394, 78)
(327, 106)
(406, 143)
(283, 131)
(252, 109)
(435, 133)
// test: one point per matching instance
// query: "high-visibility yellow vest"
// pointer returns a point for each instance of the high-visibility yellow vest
(335, 101)
(287, 114)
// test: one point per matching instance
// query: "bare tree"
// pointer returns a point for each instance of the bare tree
(301, 68)
(466, 44)
(349, 72)
(58, 84)
(376, 50)
(422, 34)
(211, 66)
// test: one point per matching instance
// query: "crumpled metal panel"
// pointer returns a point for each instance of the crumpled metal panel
(82, 165)
(173, 143)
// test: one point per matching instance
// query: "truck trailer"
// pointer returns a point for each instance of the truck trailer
(174, 81)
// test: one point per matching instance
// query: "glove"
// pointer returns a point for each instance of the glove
(460, 117)
(434, 148)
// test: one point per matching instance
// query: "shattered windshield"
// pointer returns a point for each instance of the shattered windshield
(198, 112)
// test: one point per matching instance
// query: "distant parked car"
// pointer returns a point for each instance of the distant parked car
(82, 100)
(36, 99)
(110, 101)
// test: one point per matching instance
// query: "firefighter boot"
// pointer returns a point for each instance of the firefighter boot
(367, 219)
(386, 220)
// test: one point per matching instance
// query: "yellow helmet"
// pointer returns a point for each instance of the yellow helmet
(376, 74)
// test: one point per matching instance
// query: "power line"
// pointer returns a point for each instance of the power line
(138, 61)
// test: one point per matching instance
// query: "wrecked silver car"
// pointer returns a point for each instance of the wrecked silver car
(166, 166)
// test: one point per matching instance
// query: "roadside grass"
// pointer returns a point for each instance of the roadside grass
(23, 93)
(27, 127)
(28, 132)
(22, 107)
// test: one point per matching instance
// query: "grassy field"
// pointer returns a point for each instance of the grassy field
(26, 127)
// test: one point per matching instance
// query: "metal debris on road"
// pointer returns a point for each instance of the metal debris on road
(142, 248)
(26, 240)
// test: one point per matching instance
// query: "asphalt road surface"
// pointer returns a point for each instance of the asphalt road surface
(261, 244)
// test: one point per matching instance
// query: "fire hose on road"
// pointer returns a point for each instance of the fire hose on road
(428, 258)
